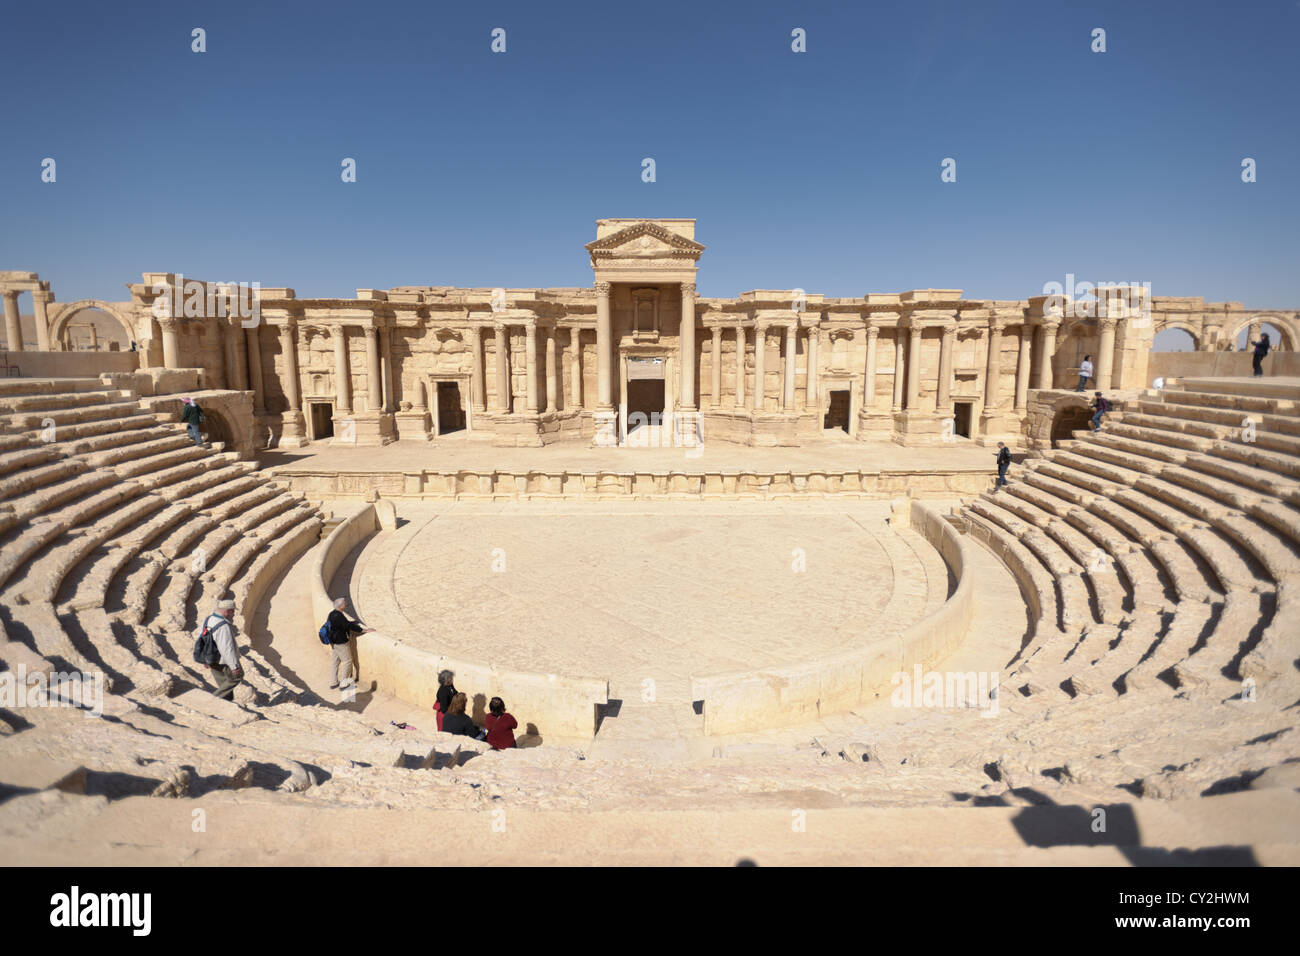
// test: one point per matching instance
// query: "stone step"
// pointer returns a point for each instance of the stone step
(73, 433)
(59, 417)
(13, 404)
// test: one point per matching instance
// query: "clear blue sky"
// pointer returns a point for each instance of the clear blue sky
(817, 170)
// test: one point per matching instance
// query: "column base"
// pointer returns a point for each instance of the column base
(606, 423)
(368, 429)
(414, 425)
(913, 428)
(293, 431)
(875, 426)
(687, 429)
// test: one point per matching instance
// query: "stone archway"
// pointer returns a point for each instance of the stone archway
(1197, 334)
(60, 319)
(1287, 326)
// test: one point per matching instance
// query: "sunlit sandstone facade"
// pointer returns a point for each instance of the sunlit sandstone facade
(536, 366)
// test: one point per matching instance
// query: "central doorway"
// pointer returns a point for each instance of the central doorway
(451, 413)
(645, 403)
(837, 415)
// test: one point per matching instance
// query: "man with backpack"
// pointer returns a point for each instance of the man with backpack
(1100, 407)
(335, 632)
(1004, 462)
(192, 416)
(216, 648)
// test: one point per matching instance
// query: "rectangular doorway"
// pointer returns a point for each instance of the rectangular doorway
(322, 420)
(837, 415)
(645, 402)
(451, 414)
(961, 418)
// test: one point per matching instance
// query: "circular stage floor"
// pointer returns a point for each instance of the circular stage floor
(646, 591)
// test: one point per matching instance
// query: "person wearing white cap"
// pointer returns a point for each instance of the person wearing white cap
(228, 673)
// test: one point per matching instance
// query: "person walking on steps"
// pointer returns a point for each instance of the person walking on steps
(221, 629)
(192, 416)
(1085, 373)
(1100, 407)
(1004, 462)
(340, 629)
(1261, 350)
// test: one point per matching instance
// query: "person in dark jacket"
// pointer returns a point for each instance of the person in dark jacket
(1100, 407)
(341, 629)
(192, 416)
(1261, 350)
(1004, 462)
(446, 691)
(500, 725)
(458, 722)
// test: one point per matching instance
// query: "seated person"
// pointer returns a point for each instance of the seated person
(457, 721)
(500, 725)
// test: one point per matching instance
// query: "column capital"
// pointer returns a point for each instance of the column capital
(997, 323)
(602, 288)
(168, 323)
(1051, 325)
(42, 295)
(499, 328)
(1107, 323)
(688, 288)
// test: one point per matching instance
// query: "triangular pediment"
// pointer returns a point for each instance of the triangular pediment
(644, 240)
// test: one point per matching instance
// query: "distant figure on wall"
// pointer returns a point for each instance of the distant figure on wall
(1085, 373)
(1100, 407)
(192, 416)
(1004, 462)
(1261, 350)
(133, 347)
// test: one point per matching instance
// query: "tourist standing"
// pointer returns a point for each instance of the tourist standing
(221, 628)
(340, 629)
(1085, 373)
(1100, 407)
(192, 416)
(458, 722)
(1261, 350)
(1004, 462)
(500, 725)
(446, 691)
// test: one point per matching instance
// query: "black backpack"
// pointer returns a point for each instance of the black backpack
(206, 651)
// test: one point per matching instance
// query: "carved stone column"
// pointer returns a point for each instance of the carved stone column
(1105, 351)
(944, 400)
(575, 366)
(740, 366)
(478, 387)
(715, 370)
(1022, 366)
(239, 346)
(254, 344)
(530, 366)
(993, 370)
(787, 396)
(171, 350)
(386, 359)
(552, 386)
(604, 397)
(41, 299)
(342, 372)
(1049, 350)
(13, 327)
(289, 349)
(503, 371)
(898, 368)
(869, 372)
(914, 368)
(687, 337)
(811, 388)
(374, 371)
(760, 371)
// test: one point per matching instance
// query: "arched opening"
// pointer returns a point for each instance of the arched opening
(92, 330)
(1174, 339)
(1242, 341)
(217, 429)
(1067, 421)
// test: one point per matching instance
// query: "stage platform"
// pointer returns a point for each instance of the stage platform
(460, 469)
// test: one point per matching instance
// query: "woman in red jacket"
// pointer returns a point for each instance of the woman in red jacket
(500, 725)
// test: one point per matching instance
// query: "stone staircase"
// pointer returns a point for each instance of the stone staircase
(1163, 551)
(1158, 560)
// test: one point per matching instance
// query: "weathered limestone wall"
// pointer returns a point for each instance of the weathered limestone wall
(69, 364)
(1210, 364)
(549, 704)
(785, 696)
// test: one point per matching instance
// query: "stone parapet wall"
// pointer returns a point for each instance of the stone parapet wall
(555, 706)
(596, 485)
(812, 690)
(1169, 365)
(68, 364)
